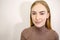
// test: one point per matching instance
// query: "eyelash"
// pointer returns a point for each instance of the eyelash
(40, 13)
(34, 13)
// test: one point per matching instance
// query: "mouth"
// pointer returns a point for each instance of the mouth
(38, 22)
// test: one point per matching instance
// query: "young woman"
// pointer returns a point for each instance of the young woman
(40, 19)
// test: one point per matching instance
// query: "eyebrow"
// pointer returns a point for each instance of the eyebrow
(33, 11)
(41, 11)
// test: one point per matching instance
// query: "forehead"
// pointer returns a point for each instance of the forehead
(39, 7)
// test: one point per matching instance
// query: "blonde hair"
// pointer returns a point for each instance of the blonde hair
(48, 21)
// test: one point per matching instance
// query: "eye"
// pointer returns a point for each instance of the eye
(42, 13)
(33, 13)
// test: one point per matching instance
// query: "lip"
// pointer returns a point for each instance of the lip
(37, 22)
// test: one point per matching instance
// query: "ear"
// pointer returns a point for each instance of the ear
(47, 15)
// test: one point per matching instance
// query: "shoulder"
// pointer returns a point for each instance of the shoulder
(26, 31)
(54, 34)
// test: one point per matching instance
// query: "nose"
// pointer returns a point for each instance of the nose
(37, 17)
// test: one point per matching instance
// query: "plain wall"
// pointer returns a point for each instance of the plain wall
(15, 14)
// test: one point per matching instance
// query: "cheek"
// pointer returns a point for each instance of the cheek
(33, 18)
(44, 18)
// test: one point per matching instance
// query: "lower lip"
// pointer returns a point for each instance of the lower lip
(37, 22)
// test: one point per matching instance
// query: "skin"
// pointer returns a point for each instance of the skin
(39, 15)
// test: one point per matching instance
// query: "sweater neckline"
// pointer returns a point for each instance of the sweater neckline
(40, 29)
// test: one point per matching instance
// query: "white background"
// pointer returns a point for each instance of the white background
(15, 14)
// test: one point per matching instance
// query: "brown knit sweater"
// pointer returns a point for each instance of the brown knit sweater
(42, 33)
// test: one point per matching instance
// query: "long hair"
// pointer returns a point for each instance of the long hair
(48, 21)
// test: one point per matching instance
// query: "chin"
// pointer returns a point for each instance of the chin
(38, 26)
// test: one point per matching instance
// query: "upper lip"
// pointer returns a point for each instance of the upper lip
(38, 22)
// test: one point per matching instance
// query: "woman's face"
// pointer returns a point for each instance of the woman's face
(39, 15)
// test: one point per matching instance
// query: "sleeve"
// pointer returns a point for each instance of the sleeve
(22, 36)
(57, 37)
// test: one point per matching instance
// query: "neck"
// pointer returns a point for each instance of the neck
(40, 27)
(43, 28)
